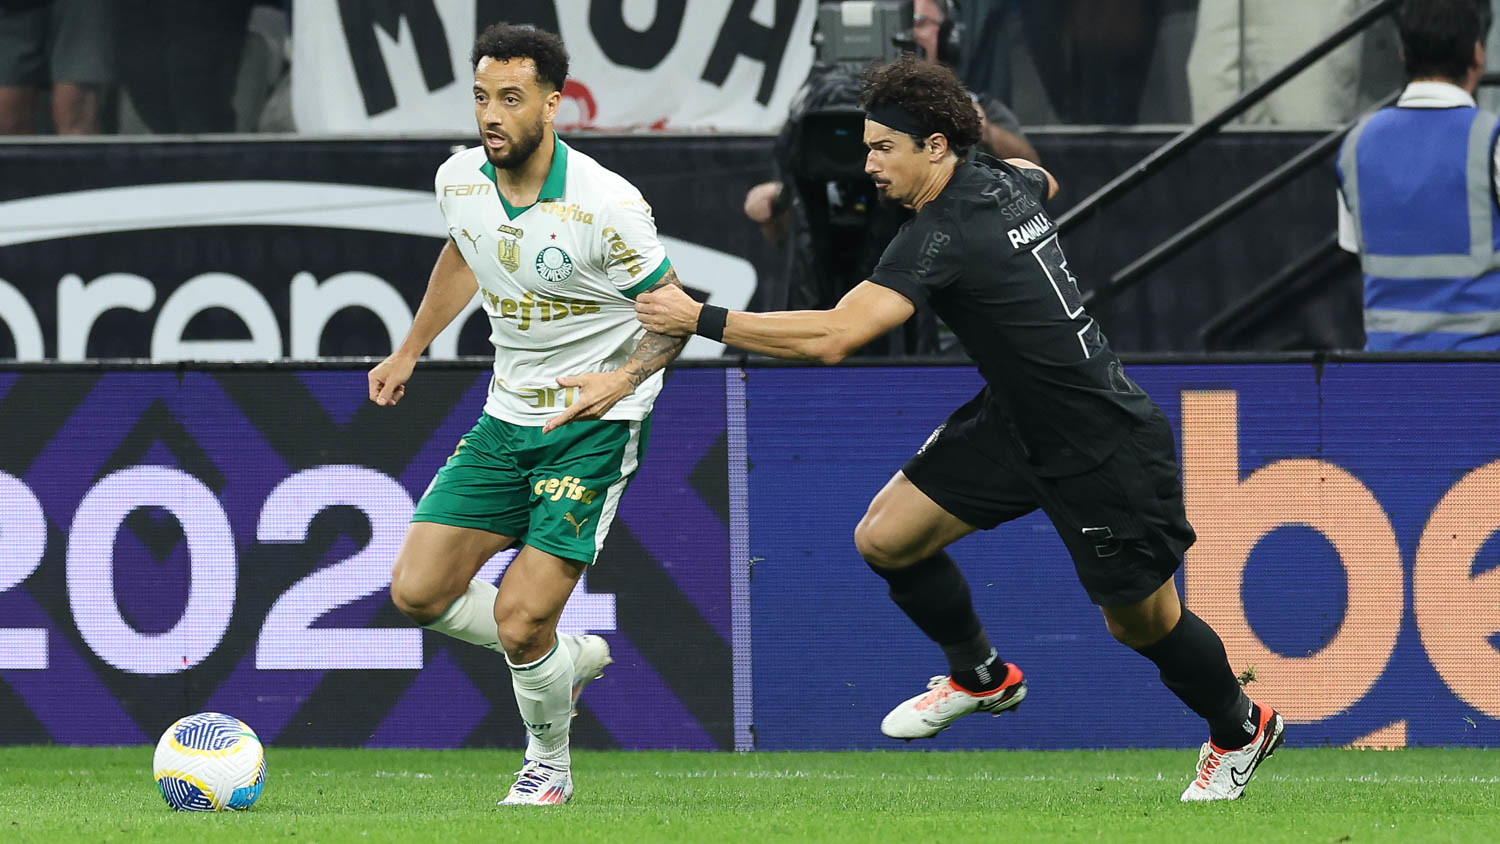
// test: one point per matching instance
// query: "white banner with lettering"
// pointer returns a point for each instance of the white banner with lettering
(402, 66)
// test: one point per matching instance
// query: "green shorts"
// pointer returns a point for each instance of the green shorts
(556, 492)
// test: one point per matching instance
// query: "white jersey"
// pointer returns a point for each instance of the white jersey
(557, 278)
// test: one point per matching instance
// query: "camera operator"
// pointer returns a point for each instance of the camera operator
(822, 206)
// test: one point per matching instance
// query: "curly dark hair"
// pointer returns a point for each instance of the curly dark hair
(931, 93)
(502, 41)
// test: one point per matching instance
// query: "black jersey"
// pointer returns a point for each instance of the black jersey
(985, 256)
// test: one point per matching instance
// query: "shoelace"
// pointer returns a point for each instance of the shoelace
(530, 779)
(1206, 767)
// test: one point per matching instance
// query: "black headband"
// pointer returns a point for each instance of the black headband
(899, 119)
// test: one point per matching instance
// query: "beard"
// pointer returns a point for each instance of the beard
(517, 148)
(886, 199)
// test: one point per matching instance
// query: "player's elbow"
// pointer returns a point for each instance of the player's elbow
(1053, 186)
(831, 350)
(845, 332)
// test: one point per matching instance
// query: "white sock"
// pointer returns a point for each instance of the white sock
(471, 617)
(544, 696)
(570, 644)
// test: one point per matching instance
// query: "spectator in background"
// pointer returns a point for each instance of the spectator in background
(1001, 133)
(263, 96)
(1489, 95)
(932, 23)
(180, 62)
(65, 46)
(1102, 58)
(1241, 43)
(1092, 57)
(1419, 182)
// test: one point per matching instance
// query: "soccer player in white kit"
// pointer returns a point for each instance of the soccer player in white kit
(557, 248)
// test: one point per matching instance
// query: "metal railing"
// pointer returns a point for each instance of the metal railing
(1287, 276)
(1247, 305)
(1192, 137)
(1231, 208)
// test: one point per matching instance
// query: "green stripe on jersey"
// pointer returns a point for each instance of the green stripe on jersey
(649, 280)
(552, 186)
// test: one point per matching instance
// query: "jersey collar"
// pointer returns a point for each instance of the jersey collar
(552, 186)
(1434, 94)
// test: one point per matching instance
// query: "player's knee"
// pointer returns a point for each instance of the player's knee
(422, 606)
(1135, 634)
(879, 546)
(1119, 631)
(523, 634)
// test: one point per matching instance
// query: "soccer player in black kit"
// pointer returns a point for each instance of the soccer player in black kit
(1059, 425)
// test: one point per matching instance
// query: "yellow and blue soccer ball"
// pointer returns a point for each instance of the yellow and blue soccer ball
(208, 763)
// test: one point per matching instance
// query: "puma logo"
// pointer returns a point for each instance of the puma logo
(577, 525)
(473, 241)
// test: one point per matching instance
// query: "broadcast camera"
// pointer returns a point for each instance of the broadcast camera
(838, 225)
(848, 36)
(880, 31)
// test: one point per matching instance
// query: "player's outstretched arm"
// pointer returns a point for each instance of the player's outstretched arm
(866, 312)
(600, 391)
(449, 289)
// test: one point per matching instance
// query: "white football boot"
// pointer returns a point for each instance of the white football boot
(540, 784)
(929, 713)
(588, 663)
(1223, 774)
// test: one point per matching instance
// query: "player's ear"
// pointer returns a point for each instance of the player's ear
(550, 104)
(937, 146)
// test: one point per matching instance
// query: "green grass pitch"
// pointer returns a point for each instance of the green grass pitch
(1330, 795)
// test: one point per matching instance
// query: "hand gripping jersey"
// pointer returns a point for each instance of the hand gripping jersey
(556, 278)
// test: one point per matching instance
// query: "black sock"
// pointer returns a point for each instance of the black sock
(1194, 666)
(933, 594)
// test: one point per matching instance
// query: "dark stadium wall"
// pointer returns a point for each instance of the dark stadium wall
(306, 248)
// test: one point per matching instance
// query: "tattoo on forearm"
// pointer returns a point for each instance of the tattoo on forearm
(655, 350)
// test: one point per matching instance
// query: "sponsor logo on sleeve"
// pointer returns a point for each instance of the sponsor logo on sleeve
(621, 253)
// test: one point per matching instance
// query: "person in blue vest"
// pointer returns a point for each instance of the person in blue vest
(1418, 190)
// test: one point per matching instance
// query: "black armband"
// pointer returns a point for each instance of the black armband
(711, 322)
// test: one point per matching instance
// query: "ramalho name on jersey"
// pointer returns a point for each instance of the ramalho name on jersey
(988, 259)
(556, 278)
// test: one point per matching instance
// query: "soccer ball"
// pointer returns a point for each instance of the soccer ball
(209, 762)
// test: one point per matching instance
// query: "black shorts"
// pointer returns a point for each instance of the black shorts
(1123, 521)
